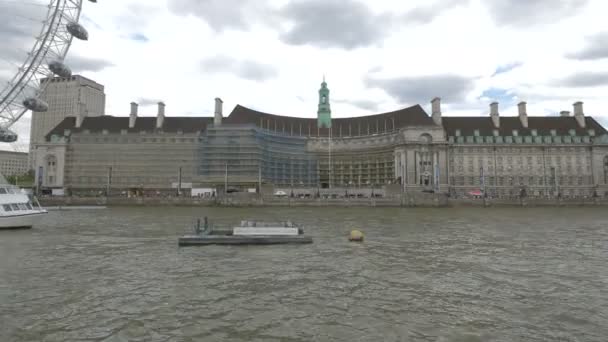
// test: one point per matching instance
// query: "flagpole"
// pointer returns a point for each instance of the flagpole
(437, 181)
(330, 169)
(483, 181)
(109, 183)
(179, 181)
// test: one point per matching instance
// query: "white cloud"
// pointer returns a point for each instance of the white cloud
(274, 61)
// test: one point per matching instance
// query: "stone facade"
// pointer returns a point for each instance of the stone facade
(73, 96)
(130, 161)
(543, 170)
(13, 163)
(107, 153)
(409, 150)
(50, 163)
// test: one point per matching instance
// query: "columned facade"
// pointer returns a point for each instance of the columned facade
(492, 156)
(49, 164)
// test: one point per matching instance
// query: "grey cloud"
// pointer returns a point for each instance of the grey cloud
(363, 104)
(255, 71)
(135, 17)
(517, 13)
(144, 101)
(334, 23)
(596, 48)
(20, 23)
(586, 79)
(347, 24)
(80, 64)
(22, 128)
(17, 37)
(224, 14)
(502, 69)
(246, 69)
(532, 95)
(19, 26)
(428, 13)
(451, 88)
(89, 23)
(218, 63)
(374, 70)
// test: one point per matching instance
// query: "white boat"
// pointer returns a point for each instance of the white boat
(17, 209)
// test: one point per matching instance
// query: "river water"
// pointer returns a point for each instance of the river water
(421, 275)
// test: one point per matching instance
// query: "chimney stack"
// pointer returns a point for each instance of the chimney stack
(579, 115)
(523, 114)
(218, 111)
(82, 113)
(160, 117)
(564, 113)
(133, 115)
(494, 114)
(436, 110)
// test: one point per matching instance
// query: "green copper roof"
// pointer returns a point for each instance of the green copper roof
(324, 111)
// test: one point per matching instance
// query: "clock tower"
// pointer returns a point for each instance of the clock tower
(324, 111)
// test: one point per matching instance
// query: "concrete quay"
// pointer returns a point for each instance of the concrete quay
(253, 200)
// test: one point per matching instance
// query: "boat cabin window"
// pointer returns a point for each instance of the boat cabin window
(17, 206)
(10, 191)
(2, 191)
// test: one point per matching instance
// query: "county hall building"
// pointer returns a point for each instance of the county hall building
(565, 155)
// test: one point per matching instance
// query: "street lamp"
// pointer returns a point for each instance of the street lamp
(226, 180)
(555, 182)
(509, 168)
(179, 182)
(109, 184)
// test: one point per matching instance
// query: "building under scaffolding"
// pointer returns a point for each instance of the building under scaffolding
(564, 155)
(245, 156)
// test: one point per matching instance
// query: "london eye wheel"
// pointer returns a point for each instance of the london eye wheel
(35, 36)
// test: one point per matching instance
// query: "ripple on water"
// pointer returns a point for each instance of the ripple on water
(421, 275)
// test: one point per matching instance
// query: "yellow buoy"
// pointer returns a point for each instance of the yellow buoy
(356, 235)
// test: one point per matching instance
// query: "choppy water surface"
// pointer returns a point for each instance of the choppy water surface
(421, 275)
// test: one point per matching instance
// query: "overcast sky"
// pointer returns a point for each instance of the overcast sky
(377, 56)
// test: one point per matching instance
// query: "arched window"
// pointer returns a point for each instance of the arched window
(51, 169)
(51, 163)
(426, 138)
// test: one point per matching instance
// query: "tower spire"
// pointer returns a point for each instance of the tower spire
(324, 111)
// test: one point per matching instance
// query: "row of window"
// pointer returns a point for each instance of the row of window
(534, 132)
(503, 193)
(514, 181)
(566, 162)
(527, 170)
(133, 140)
(520, 160)
(17, 206)
(519, 150)
(524, 163)
(4, 191)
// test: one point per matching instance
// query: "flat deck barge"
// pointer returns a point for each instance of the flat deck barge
(248, 233)
(197, 240)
